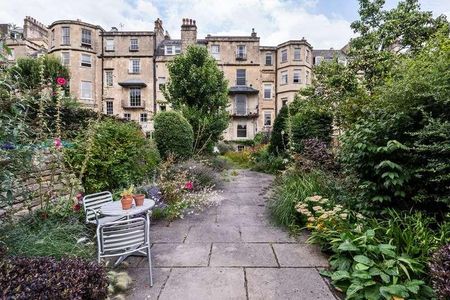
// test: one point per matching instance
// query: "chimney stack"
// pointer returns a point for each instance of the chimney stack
(188, 33)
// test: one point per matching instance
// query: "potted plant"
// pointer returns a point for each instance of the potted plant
(127, 198)
(139, 197)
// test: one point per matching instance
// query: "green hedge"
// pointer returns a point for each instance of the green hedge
(173, 135)
(121, 156)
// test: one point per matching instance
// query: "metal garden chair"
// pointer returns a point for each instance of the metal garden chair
(124, 238)
(92, 204)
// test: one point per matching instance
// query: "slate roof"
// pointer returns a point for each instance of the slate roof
(133, 82)
(242, 89)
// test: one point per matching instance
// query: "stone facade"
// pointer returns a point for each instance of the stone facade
(122, 72)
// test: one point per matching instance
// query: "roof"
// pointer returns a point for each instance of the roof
(242, 89)
(133, 82)
(160, 50)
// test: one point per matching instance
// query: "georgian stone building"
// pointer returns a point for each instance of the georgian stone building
(122, 72)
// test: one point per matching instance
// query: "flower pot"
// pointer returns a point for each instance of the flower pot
(127, 202)
(139, 199)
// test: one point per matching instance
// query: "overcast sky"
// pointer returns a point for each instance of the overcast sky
(324, 23)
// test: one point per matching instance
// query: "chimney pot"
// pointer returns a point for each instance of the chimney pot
(194, 22)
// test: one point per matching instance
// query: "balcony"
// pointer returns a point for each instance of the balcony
(242, 89)
(127, 105)
(240, 113)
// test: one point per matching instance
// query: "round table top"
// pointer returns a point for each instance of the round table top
(114, 208)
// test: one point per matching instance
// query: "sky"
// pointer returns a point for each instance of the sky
(324, 23)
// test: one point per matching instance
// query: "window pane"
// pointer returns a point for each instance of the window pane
(268, 59)
(65, 58)
(241, 105)
(242, 131)
(109, 78)
(297, 76)
(284, 78)
(240, 77)
(127, 116)
(86, 90)
(284, 56)
(134, 44)
(297, 54)
(86, 37)
(143, 117)
(109, 45)
(267, 91)
(109, 108)
(267, 119)
(135, 97)
(135, 66)
(65, 35)
(85, 60)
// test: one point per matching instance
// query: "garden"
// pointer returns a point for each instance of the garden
(54, 152)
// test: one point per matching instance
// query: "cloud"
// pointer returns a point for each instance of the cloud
(275, 21)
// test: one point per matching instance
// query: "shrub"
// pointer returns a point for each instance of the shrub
(120, 156)
(440, 272)
(310, 123)
(315, 154)
(263, 161)
(173, 135)
(240, 158)
(289, 189)
(261, 138)
(224, 147)
(218, 163)
(201, 175)
(279, 137)
(47, 278)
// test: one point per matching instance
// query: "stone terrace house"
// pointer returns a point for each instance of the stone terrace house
(122, 72)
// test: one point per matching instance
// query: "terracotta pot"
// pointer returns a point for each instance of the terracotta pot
(139, 199)
(127, 202)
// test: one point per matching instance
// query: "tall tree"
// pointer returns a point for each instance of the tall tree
(198, 88)
(384, 33)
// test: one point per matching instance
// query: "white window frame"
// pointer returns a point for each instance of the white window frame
(284, 55)
(65, 58)
(161, 81)
(284, 101)
(215, 51)
(52, 44)
(135, 68)
(307, 77)
(237, 105)
(109, 44)
(135, 98)
(109, 78)
(143, 118)
(267, 87)
(239, 78)
(318, 60)
(297, 53)
(307, 56)
(268, 54)
(127, 116)
(65, 38)
(12, 55)
(297, 76)
(284, 78)
(134, 44)
(109, 107)
(83, 89)
(238, 129)
(86, 37)
(267, 113)
(241, 52)
(177, 49)
(84, 61)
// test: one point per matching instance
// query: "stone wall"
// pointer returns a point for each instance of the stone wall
(46, 180)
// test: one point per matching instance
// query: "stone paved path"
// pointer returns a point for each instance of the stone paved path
(230, 252)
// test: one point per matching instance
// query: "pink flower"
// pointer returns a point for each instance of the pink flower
(58, 144)
(76, 207)
(79, 197)
(61, 81)
(189, 185)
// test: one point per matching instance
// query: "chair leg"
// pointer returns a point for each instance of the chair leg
(150, 267)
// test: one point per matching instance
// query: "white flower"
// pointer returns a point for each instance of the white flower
(343, 216)
(311, 219)
(317, 208)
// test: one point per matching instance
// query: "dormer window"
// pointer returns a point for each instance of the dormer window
(172, 49)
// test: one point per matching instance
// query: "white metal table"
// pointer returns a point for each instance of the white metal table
(114, 208)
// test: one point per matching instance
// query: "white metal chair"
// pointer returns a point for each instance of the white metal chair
(92, 204)
(124, 238)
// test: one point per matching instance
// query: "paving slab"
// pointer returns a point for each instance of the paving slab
(169, 234)
(299, 255)
(141, 289)
(181, 255)
(242, 255)
(267, 234)
(286, 284)
(205, 284)
(213, 233)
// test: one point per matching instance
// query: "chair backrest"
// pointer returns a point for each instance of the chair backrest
(95, 201)
(121, 236)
